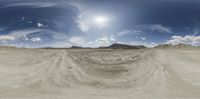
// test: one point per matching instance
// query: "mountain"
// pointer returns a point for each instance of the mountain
(76, 47)
(124, 46)
(8, 47)
(163, 46)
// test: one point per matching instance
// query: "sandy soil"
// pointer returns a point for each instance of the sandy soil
(99, 74)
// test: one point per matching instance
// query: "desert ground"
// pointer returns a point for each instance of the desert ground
(99, 73)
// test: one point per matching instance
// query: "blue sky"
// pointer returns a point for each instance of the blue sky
(93, 23)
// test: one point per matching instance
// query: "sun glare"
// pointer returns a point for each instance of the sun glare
(101, 21)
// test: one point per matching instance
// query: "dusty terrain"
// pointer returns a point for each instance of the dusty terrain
(99, 74)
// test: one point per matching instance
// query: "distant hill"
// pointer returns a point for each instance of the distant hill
(123, 46)
(80, 47)
(75, 47)
(165, 46)
(8, 47)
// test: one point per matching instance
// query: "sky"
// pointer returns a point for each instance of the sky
(94, 23)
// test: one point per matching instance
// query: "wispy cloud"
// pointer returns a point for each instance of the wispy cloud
(141, 29)
(1, 29)
(160, 28)
(37, 39)
(127, 32)
(154, 28)
(34, 5)
(22, 33)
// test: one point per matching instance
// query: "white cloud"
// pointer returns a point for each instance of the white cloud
(105, 41)
(143, 43)
(143, 38)
(37, 39)
(40, 25)
(84, 25)
(19, 35)
(77, 40)
(101, 41)
(83, 21)
(34, 5)
(6, 38)
(193, 40)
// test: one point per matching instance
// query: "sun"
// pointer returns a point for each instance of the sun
(101, 21)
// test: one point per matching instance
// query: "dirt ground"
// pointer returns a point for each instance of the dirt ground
(99, 74)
